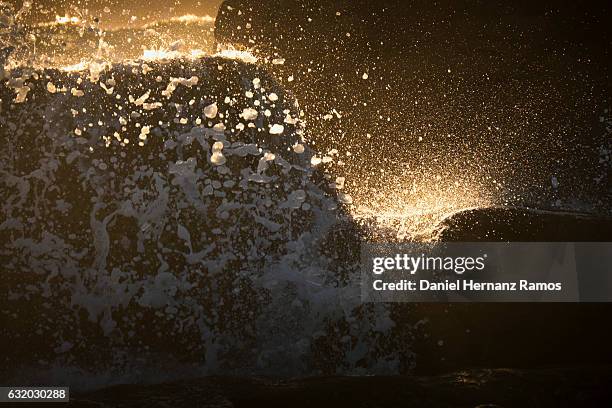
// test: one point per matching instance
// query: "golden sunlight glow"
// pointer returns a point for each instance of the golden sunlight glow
(185, 19)
(191, 18)
(230, 52)
(81, 66)
(414, 212)
(67, 20)
(161, 54)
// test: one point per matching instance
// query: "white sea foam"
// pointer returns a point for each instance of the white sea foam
(190, 200)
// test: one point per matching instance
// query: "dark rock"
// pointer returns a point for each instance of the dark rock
(556, 387)
(525, 225)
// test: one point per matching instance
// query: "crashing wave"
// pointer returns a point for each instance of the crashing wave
(171, 208)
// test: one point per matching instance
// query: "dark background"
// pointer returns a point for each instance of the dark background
(498, 96)
(537, 71)
(46, 10)
(527, 85)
